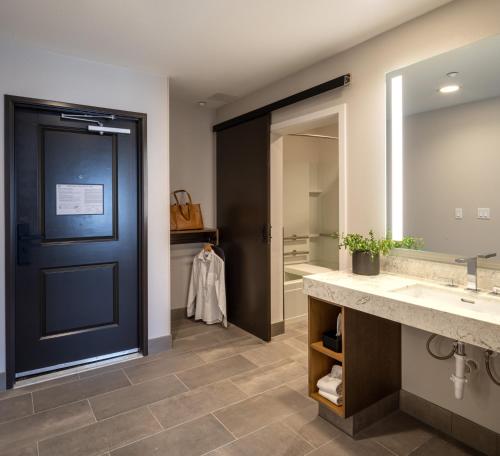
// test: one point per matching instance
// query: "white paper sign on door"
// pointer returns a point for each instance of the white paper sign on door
(79, 199)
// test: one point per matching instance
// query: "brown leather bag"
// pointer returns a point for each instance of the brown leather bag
(185, 216)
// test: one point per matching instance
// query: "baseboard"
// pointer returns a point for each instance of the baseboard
(159, 344)
(361, 420)
(277, 328)
(471, 434)
(178, 314)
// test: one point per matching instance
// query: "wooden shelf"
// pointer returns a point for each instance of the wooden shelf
(318, 346)
(338, 409)
(210, 235)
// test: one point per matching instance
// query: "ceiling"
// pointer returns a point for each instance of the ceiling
(478, 68)
(207, 47)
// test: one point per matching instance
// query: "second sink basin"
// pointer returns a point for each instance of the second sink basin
(477, 302)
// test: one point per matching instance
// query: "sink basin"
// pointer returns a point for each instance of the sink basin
(453, 298)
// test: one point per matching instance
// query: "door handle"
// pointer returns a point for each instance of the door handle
(266, 233)
(24, 239)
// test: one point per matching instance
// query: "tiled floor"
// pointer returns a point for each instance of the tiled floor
(218, 392)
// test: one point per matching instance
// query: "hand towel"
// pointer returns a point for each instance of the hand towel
(330, 385)
(337, 400)
(336, 371)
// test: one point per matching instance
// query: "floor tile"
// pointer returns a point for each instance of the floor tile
(312, 427)
(15, 407)
(347, 446)
(213, 372)
(78, 390)
(251, 414)
(296, 343)
(135, 396)
(19, 433)
(225, 350)
(162, 367)
(29, 450)
(271, 353)
(264, 378)
(191, 439)
(97, 438)
(399, 432)
(191, 330)
(38, 386)
(195, 403)
(300, 385)
(273, 440)
(438, 446)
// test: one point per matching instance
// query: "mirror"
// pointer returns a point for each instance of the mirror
(443, 151)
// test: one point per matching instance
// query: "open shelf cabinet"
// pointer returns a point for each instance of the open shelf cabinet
(371, 357)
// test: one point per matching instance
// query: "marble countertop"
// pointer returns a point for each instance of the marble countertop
(389, 296)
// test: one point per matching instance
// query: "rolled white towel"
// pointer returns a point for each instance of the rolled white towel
(336, 371)
(330, 385)
(337, 400)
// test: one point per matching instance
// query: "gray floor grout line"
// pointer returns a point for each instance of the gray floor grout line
(126, 376)
(224, 426)
(384, 447)
(188, 388)
(295, 432)
(92, 410)
(32, 403)
(155, 418)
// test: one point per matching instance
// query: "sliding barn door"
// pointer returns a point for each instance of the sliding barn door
(243, 216)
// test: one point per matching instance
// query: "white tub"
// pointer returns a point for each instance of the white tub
(295, 301)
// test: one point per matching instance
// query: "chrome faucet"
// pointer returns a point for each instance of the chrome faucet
(472, 269)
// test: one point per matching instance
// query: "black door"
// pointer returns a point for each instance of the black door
(243, 216)
(76, 240)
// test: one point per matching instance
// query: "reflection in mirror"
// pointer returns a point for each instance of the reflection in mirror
(443, 150)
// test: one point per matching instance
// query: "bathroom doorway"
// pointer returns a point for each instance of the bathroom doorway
(307, 206)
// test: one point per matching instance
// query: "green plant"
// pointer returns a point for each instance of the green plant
(369, 244)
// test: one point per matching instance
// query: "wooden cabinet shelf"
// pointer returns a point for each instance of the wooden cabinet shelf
(318, 346)
(338, 409)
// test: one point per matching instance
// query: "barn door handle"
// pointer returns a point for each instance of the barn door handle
(24, 239)
(266, 233)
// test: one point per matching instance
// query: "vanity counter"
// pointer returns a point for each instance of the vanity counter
(462, 315)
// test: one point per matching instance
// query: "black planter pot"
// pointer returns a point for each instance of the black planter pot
(364, 264)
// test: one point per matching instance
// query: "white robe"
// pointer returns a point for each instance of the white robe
(207, 289)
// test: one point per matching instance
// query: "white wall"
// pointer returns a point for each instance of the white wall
(33, 72)
(455, 151)
(456, 24)
(192, 168)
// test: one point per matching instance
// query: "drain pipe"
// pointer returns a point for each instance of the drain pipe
(458, 378)
(462, 365)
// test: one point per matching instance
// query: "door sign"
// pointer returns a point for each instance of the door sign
(79, 199)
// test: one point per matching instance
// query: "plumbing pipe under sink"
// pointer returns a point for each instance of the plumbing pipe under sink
(462, 366)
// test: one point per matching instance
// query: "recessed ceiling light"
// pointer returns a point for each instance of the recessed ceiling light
(450, 88)
(452, 74)
(202, 104)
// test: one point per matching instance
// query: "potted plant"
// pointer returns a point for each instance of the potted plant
(366, 250)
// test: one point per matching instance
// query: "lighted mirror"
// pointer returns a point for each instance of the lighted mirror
(443, 151)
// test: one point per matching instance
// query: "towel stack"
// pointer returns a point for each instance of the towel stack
(330, 386)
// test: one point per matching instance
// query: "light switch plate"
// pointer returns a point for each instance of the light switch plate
(483, 213)
(459, 213)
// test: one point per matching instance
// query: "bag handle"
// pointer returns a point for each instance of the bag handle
(188, 217)
(182, 191)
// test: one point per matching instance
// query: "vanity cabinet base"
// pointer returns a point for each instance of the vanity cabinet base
(371, 358)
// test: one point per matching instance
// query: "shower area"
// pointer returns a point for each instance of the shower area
(310, 211)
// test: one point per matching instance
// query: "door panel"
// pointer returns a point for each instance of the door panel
(71, 156)
(243, 218)
(77, 271)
